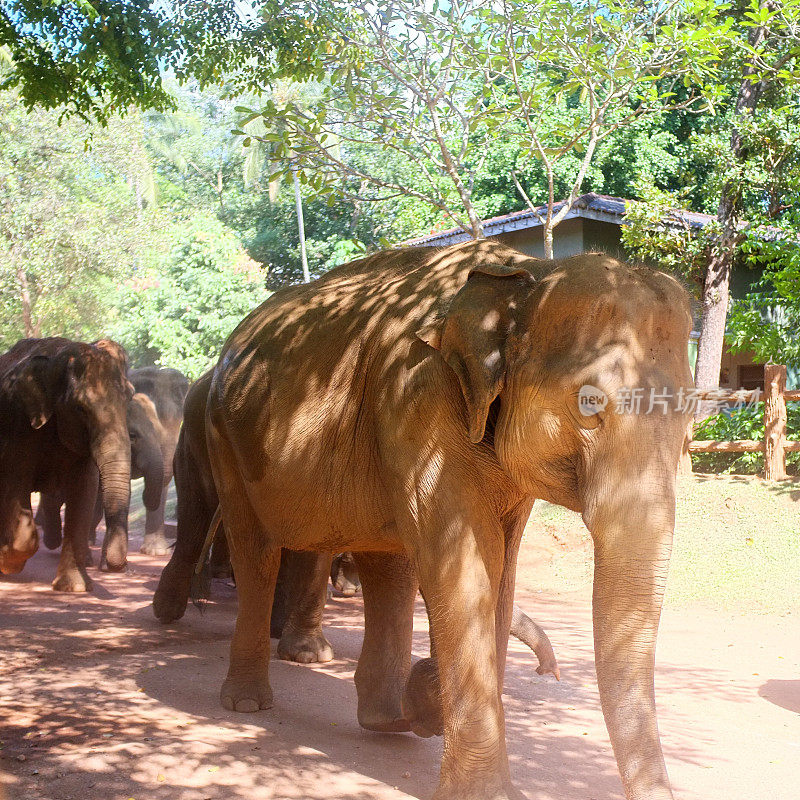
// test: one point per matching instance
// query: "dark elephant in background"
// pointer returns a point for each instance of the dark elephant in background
(63, 422)
(167, 389)
(297, 611)
(147, 462)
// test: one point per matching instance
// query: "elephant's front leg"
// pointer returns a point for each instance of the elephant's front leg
(302, 639)
(460, 571)
(79, 500)
(155, 543)
(389, 587)
(48, 516)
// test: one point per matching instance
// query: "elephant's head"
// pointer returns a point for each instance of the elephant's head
(147, 460)
(550, 367)
(576, 379)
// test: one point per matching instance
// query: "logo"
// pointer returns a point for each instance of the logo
(591, 400)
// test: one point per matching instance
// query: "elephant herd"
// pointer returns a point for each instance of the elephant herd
(405, 409)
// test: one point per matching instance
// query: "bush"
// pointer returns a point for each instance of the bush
(745, 423)
(180, 314)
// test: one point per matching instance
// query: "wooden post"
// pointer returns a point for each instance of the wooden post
(685, 462)
(774, 422)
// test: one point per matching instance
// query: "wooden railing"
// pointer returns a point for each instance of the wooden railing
(774, 445)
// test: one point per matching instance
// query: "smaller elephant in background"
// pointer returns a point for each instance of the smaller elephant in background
(298, 604)
(167, 389)
(147, 462)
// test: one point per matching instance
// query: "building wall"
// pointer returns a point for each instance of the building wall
(567, 239)
(602, 236)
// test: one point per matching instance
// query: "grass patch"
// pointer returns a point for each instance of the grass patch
(737, 543)
(736, 546)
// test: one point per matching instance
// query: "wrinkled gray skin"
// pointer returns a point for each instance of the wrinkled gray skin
(146, 462)
(297, 610)
(63, 420)
(167, 389)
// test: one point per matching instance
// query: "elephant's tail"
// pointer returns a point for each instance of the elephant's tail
(533, 635)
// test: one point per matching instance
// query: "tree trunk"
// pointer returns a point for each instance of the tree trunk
(25, 298)
(716, 288)
(298, 201)
(547, 232)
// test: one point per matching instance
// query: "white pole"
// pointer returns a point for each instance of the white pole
(298, 201)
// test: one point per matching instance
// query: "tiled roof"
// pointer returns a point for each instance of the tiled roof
(601, 207)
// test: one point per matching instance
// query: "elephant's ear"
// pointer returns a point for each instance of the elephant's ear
(31, 383)
(472, 335)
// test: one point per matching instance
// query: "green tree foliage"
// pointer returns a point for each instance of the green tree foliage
(89, 58)
(438, 88)
(96, 58)
(72, 221)
(180, 313)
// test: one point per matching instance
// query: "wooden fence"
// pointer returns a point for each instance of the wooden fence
(774, 445)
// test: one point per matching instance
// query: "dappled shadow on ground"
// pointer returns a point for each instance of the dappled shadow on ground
(104, 702)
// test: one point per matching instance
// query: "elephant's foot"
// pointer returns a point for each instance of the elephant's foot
(422, 704)
(476, 789)
(113, 565)
(154, 544)
(72, 580)
(379, 707)
(172, 593)
(304, 648)
(52, 538)
(344, 575)
(246, 695)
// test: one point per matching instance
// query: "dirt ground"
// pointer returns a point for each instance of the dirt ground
(100, 701)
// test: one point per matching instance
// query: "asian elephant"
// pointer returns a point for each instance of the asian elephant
(63, 408)
(147, 462)
(167, 389)
(409, 407)
(297, 613)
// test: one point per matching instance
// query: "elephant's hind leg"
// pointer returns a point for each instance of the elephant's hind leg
(389, 586)
(246, 688)
(302, 639)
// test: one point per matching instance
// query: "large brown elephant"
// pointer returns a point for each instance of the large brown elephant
(409, 407)
(62, 423)
(300, 593)
(167, 389)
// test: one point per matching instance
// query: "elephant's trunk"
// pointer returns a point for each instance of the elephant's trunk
(112, 455)
(151, 464)
(632, 528)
